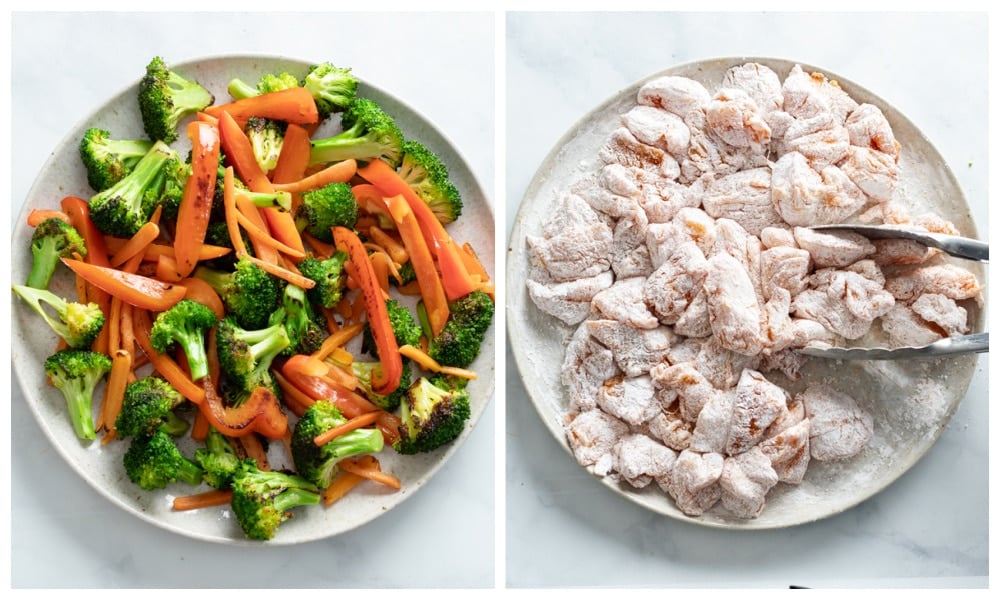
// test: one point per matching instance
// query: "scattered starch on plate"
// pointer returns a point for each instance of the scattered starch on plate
(684, 266)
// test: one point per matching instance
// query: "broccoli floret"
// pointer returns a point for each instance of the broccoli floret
(406, 274)
(165, 97)
(433, 414)
(318, 464)
(175, 175)
(185, 324)
(52, 239)
(76, 373)
(245, 357)
(108, 160)
(217, 459)
(248, 292)
(217, 234)
(458, 343)
(369, 133)
(126, 206)
(326, 207)
(390, 402)
(404, 325)
(306, 327)
(332, 88)
(427, 176)
(148, 406)
(330, 278)
(266, 139)
(262, 500)
(270, 82)
(154, 461)
(77, 323)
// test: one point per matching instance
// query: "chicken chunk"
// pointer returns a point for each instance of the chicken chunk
(804, 197)
(868, 128)
(833, 248)
(568, 301)
(809, 94)
(586, 365)
(745, 481)
(678, 95)
(694, 481)
(640, 459)
(592, 436)
(575, 242)
(757, 404)
(631, 399)
(693, 390)
(945, 279)
(900, 251)
(786, 268)
(659, 128)
(821, 139)
(635, 351)
(789, 452)
(672, 287)
(839, 427)
(625, 301)
(759, 82)
(623, 148)
(735, 118)
(744, 197)
(695, 321)
(630, 256)
(904, 327)
(875, 173)
(670, 428)
(777, 236)
(942, 312)
(732, 305)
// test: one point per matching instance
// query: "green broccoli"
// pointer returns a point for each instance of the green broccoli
(175, 175)
(217, 459)
(406, 274)
(245, 357)
(165, 97)
(318, 464)
(458, 343)
(262, 500)
(326, 207)
(52, 239)
(390, 402)
(248, 292)
(330, 278)
(217, 234)
(427, 176)
(266, 139)
(269, 82)
(369, 134)
(126, 206)
(404, 326)
(108, 160)
(306, 327)
(433, 414)
(185, 324)
(148, 406)
(154, 461)
(76, 373)
(332, 88)
(77, 323)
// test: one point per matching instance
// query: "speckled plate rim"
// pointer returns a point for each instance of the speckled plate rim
(119, 114)
(536, 339)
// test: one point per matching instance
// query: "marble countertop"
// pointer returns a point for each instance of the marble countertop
(63, 533)
(930, 528)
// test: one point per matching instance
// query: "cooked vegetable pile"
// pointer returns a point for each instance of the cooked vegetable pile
(288, 285)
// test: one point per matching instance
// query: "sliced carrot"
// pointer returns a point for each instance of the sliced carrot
(369, 470)
(292, 105)
(126, 332)
(37, 215)
(420, 356)
(340, 172)
(455, 277)
(388, 181)
(258, 235)
(338, 340)
(380, 266)
(203, 500)
(199, 430)
(154, 251)
(294, 157)
(283, 273)
(370, 199)
(394, 247)
(207, 118)
(255, 450)
(346, 427)
(166, 269)
(114, 390)
(137, 290)
(341, 484)
(239, 154)
(247, 211)
(229, 205)
(295, 399)
(320, 248)
(195, 210)
(200, 291)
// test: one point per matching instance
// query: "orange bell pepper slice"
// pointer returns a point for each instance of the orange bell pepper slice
(196, 204)
(137, 290)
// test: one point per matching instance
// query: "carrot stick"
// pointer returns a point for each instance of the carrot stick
(294, 157)
(203, 500)
(370, 198)
(255, 450)
(369, 471)
(427, 363)
(341, 484)
(78, 211)
(114, 324)
(199, 430)
(126, 331)
(338, 339)
(37, 215)
(154, 250)
(454, 276)
(261, 236)
(283, 273)
(388, 181)
(292, 105)
(196, 204)
(247, 211)
(394, 248)
(380, 265)
(340, 172)
(166, 269)
(137, 290)
(229, 204)
(239, 153)
(114, 391)
(295, 399)
(207, 118)
(346, 427)
(320, 248)
(200, 291)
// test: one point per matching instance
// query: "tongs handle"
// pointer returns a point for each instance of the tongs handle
(954, 245)
(962, 344)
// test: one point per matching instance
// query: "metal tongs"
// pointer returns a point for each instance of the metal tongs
(957, 246)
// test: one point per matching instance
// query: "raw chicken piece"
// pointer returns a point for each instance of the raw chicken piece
(631, 399)
(900, 252)
(685, 349)
(640, 459)
(568, 301)
(698, 226)
(622, 148)
(662, 199)
(635, 351)
(630, 256)
(807, 95)
(732, 305)
(695, 321)
(839, 427)
(670, 428)
(693, 390)
(745, 481)
(833, 314)
(672, 287)
(869, 128)
(947, 279)
(678, 95)
(807, 331)
(943, 312)
(710, 154)
(759, 82)
(794, 412)
(784, 267)
(758, 402)
(720, 366)
(621, 180)
(575, 242)
(715, 422)
(661, 241)
(585, 367)
(804, 197)
(734, 117)
(694, 481)
(777, 236)
(776, 322)
(833, 248)
(624, 301)
(789, 452)
(864, 297)
(659, 128)
(904, 327)
(607, 204)
(744, 197)
(876, 173)
(732, 239)
(592, 436)
(821, 139)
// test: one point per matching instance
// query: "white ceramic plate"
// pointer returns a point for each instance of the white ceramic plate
(912, 402)
(100, 465)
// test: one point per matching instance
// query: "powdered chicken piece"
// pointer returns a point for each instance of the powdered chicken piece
(943, 312)
(693, 390)
(831, 313)
(776, 323)
(568, 301)
(607, 204)
(757, 403)
(777, 236)
(745, 481)
(833, 248)
(694, 481)
(624, 301)
(630, 256)
(732, 305)
(631, 399)
(711, 431)
(786, 268)
(679, 95)
(759, 82)
(945, 279)
(672, 287)
(659, 128)
(709, 154)
(585, 367)
(576, 243)
(904, 327)
(698, 226)
(821, 139)
(624, 149)
(635, 351)
(809, 94)
(839, 427)
(663, 198)
(735, 118)
(695, 321)
(868, 128)
(720, 366)
(671, 429)
(875, 173)
(744, 197)
(863, 296)
(804, 197)
(640, 459)
(789, 452)
(732, 239)
(592, 436)
(899, 251)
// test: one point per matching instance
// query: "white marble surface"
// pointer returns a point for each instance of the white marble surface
(63, 533)
(929, 529)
